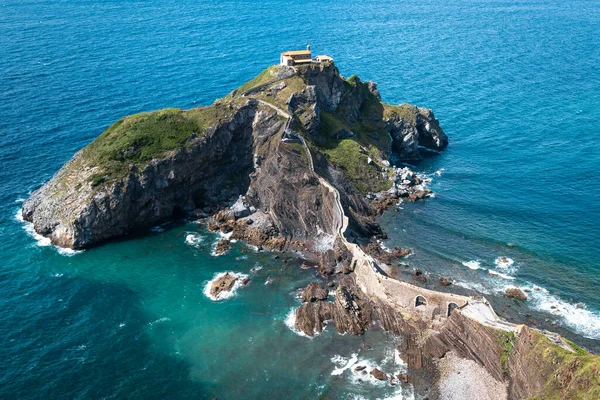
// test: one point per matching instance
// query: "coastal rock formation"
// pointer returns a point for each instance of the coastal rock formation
(299, 158)
(314, 292)
(223, 284)
(515, 293)
(413, 128)
(153, 167)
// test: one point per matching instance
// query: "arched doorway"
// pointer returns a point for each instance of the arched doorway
(451, 307)
(420, 301)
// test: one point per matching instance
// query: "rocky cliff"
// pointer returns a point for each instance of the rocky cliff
(152, 167)
(299, 158)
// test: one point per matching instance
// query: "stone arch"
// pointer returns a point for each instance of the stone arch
(451, 307)
(420, 301)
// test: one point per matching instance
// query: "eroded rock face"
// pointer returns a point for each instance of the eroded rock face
(416, 127)
(314, 292)
(74, 213)
(350, 311)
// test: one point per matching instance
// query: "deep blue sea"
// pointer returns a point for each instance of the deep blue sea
(515, 84)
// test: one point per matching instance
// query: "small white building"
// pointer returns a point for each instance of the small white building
(324, 59)
(298, 57)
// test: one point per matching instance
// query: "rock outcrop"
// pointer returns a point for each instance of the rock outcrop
(413, 128)
(153, 167)
(300, 160)
(223, 284)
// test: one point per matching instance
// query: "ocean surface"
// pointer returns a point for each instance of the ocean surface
(515, 84)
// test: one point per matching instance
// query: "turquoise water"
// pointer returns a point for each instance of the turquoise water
(516, 86)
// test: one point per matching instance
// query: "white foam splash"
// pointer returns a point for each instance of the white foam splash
(343, 363)
(158, 321)
(501, 275)
(224, 294)
(473, 264)
(584, 321)
(392, 364)
(256, 269)
(43, 241)
(504, 262)
(193, 239)
(439, 172)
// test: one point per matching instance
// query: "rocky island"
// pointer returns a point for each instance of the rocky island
(299, 158)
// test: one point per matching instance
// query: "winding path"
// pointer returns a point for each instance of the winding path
(398, 293)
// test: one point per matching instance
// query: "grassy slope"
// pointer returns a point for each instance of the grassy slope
(568, 375)
(139, 138)
(370, 137)
(574, 375)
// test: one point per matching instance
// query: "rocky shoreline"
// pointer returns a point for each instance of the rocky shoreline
(302, 165)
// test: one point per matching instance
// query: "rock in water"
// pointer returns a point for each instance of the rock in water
(223, 284)
(516, 293)
(314, 292)
(445, 281)
(222, 247)
(378, 374)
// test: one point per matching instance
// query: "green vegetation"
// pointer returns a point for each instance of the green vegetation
(404, 111)
(97, 179)
(353, 80)
(507, 341)
(139, 138)
(578, 350)
(351, 155)
(570, 375)
(259, 79)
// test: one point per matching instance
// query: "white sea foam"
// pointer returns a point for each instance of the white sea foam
(439, 172)
(43, 241)
(193, 239)
(472, 286)
(224, 294)
(501, 275)
(582, 320)
(256, 269)
(343, 363)
(158, 228)
(473, 264)
(268, 281)
(158, 321)
(504, 262)
(392, 364)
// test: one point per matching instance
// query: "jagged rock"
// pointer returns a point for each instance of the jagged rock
(413, 127)
(515, 293)
(359, 368)
(223, 284)
(314, 292)
(378, 374)
(387, 257)
(240, 209)
(403, 378)
(222, 247)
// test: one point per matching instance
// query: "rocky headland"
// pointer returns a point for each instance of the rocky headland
(299, 159)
